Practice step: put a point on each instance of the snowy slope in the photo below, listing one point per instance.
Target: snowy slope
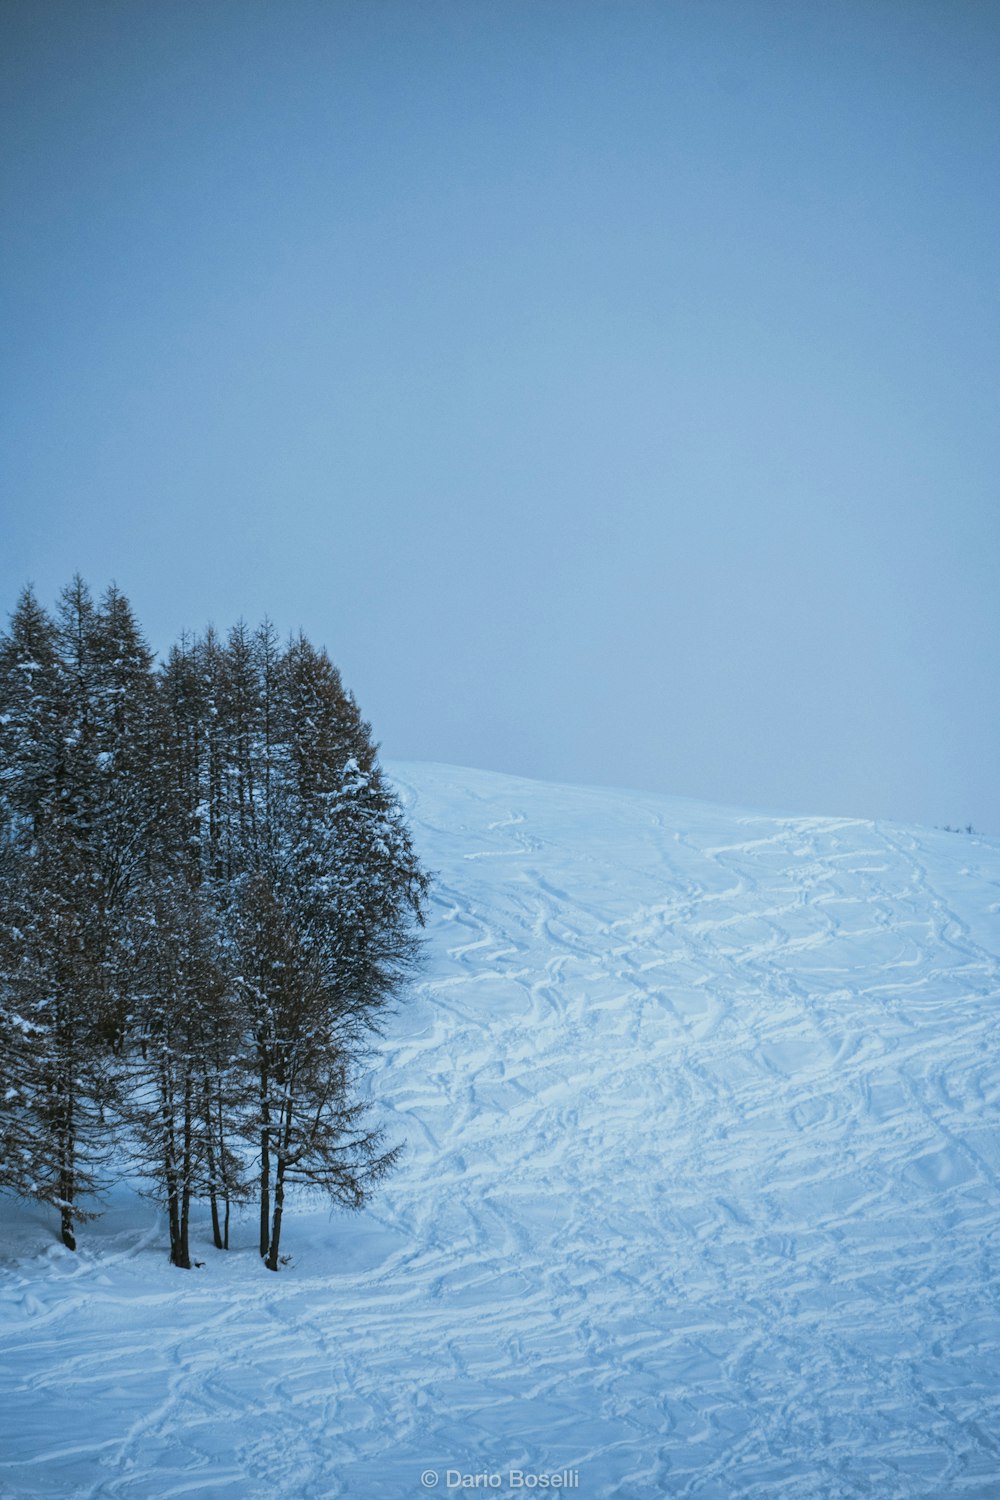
(701, 1196)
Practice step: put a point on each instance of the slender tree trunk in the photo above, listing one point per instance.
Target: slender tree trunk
(65, 1133)
(279, 1184)
(187, 1165)
(265, 1160)
(173, 1210)
(216, 1223)
(66, 1226)
(67, 1183)
(265, 1190)
(213, 1201)
(170, 1173)
(225, 1175)
(279, 1202)
(213, 1196)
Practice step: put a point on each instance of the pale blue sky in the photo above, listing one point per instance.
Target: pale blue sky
(613, 388)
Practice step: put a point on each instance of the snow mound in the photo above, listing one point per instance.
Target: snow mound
(701, 1194)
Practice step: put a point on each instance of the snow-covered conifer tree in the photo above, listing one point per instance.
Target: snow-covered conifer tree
(208, 896)
(55, 897)
(343, 896)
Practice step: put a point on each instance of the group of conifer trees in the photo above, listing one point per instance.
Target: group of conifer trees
(208, 896)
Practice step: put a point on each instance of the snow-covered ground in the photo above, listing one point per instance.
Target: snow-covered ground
(701, 1195)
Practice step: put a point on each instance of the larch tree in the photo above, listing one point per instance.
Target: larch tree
(67, 877)
(323, 920)
(208, 899)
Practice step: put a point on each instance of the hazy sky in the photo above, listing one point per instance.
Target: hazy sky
(613, 388)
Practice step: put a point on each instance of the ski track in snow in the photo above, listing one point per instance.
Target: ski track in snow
(700, 1197)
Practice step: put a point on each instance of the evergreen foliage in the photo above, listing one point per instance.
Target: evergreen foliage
(208, 897)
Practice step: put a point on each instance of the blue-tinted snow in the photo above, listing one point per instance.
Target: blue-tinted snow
(701, 1195)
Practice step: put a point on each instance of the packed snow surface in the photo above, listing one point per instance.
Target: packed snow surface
(701, 1194)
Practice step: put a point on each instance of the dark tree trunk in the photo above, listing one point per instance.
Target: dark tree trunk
(178, 1246)
(225, 1176)
(213, 1200)
(213, 1197)
(184, 1257)
(66, 1228)
(173, 1209)
(177, 1211)
(67, 1184)
(265, 1191)
(279, 1184)
(279, 1203)
(265, 1163)
(215, 1151)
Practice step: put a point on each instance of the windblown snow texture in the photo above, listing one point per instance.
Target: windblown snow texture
(701, 1195)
